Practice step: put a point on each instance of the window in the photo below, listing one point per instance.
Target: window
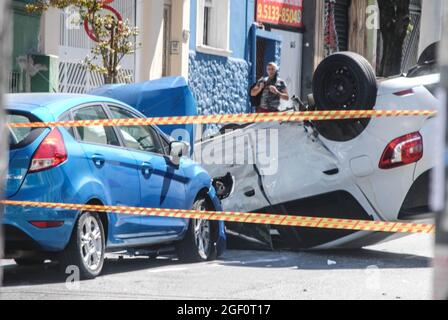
(207, 22)
(19, 137)
(98, 135)
(165, 145)
(67, 117)
(213, 27)
(141, 138)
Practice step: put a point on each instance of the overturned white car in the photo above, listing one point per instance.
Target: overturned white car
(368, 169)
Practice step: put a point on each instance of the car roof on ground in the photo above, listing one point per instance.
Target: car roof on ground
(50, 106)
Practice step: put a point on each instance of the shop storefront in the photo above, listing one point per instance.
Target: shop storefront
(283, 19)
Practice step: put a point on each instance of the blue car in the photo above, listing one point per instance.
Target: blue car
(121, 166)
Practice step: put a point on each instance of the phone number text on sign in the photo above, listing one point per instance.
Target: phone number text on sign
(280, 12)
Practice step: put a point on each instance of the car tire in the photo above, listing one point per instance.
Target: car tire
(200, 241)
(86, 248)
(344, 81)
(26, 262)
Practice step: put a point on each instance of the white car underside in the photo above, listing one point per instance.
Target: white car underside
(289, 168)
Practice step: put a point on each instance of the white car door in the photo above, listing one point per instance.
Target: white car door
(272, 163)
(305, 167)
(234, 153)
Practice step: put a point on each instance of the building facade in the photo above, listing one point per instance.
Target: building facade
(282, 21)
(56, 36)
(164, 38)
(220, 46)
(26, 47)
(431, 22)
(219, 55)
(231, 43)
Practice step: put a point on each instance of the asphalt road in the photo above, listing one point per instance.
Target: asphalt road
(400, 269)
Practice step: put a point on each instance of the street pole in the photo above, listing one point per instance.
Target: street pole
(5, 46)
(441, 248)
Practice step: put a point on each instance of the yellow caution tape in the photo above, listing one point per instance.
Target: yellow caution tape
(252, 218)
(234, 118)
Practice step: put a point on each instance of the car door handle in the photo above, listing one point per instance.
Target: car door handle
(147, 169)
(249, 192)
(98, 160)
(332, 172)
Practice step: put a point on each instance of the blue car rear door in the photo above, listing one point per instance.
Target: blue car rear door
(114, 169)
(162, 184)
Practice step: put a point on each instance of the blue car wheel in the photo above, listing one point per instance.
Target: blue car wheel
(87, 247)
(200, 242)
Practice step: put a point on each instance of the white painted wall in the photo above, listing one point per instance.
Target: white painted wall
(291, 60)
(149, 58)
(431, 27)
(150, 55)
(50, 32)
(180, 31)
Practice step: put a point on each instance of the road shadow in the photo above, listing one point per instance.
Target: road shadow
(329, 260)
(50, 273)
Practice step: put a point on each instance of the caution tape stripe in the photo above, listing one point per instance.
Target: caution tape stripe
(251, 218)
(234, 118)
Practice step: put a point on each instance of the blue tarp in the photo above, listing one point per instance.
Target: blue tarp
(158, 98)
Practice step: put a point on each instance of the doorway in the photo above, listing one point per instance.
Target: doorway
(291, 56)
(266, 49)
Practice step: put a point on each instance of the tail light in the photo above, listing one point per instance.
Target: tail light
(402, 151)
(50, 153)
(403, 93)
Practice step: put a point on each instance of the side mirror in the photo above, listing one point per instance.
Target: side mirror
(178, 149)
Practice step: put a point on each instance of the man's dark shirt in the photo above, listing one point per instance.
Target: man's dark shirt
(271, 101)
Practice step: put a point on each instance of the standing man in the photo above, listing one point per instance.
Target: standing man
(268, 92)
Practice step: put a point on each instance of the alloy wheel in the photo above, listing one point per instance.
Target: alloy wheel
(91, 244)
(202, 236)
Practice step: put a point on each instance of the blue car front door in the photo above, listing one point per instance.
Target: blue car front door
(162, 184)
(114, 169)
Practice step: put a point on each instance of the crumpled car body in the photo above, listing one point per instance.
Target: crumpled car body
(291, 169)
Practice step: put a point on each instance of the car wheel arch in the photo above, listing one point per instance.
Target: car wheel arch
(204, 194)
(104, 218)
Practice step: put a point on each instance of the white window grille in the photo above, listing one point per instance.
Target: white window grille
(14, 82)
(75, 45)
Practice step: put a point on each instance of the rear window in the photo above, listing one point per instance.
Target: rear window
(20, 137)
